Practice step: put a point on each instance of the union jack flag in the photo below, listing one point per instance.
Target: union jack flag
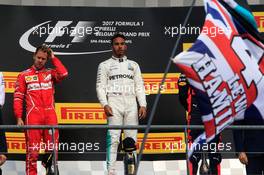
(225, 66)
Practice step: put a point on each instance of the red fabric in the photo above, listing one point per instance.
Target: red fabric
(189, 101)
(36, 87)
(190, 168)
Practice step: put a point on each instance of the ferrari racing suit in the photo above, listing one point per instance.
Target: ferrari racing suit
(36, 87)
(120, 85)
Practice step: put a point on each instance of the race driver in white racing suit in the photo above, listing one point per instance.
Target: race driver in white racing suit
(119, 86)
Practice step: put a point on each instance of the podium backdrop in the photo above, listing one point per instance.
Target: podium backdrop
(80, 37)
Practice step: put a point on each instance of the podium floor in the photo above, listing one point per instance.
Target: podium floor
(228, 167)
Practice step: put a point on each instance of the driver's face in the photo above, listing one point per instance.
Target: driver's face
(40, 59)
(119, 47)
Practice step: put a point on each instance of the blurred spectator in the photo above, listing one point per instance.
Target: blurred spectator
(3, 147)
(250, 143)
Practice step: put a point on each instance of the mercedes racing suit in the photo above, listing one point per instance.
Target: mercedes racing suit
(190, 103)
(37, 88)
(120, 85)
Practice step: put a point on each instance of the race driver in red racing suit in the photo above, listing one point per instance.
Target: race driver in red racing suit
(190, 103)
(36, 86)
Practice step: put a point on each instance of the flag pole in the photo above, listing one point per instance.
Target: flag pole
(153, 110)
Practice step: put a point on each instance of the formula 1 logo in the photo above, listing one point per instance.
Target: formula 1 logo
(64, 37)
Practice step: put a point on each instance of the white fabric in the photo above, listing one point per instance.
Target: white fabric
(123, 78)
(2, 90)
(120, 85)
(231, 3)
(124, 113)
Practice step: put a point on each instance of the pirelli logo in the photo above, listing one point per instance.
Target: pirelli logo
(153, 82)
(16, 142)
(10, 80)
(80, 113)
(163, 143)
(259, 17)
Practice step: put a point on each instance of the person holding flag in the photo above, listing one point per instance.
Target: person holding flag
(225, 70)
(247, 143)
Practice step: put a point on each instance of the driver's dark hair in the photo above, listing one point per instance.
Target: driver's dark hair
(116, 36)
(43, 48)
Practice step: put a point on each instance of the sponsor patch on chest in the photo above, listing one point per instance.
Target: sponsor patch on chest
(31, 78)
(121, 76)
(130, 67)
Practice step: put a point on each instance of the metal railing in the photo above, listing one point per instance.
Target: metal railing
(153, 127)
